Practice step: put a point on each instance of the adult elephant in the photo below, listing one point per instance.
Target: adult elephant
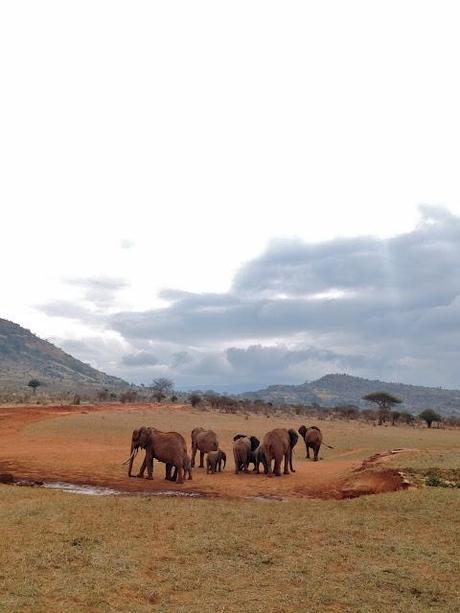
(244, 448)
(167, 447)
(278, 444)
(313, 438)
(203, 441)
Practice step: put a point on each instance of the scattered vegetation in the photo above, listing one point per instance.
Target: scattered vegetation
(385, 402)
(429, 416)
(34, 384)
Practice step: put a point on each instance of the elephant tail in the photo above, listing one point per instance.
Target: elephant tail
(328, 446)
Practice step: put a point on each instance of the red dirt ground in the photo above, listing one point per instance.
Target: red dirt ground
(47, 454)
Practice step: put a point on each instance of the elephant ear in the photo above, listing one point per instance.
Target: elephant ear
(254, 442)
(293, 438)
(302, 431)
(237, 436)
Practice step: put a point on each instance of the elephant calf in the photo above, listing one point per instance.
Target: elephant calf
(215, 461)
(171, 474)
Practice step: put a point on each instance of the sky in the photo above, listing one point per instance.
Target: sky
(234, 194)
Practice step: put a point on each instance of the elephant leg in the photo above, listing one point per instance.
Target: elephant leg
(201, 459)
(194, 450)
(286, 462)
(277, 468)
(308, 451)
(141, 472)
(149, 462)
(180, 474)
(290, 461)
(316, 453)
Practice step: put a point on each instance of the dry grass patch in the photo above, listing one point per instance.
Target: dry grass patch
(395, 552)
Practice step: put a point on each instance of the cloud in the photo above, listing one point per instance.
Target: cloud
(142, 358)
(67, 309)
(100, 291)
(386, 308)
(127, 243)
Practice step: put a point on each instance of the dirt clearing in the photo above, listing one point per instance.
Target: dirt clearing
(86, 445)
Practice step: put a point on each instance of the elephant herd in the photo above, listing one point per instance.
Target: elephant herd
(171, 449)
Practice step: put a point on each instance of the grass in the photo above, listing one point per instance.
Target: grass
(394, 552)
(67, 553)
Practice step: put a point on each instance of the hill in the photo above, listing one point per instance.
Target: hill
(24, 356)
(335, 389)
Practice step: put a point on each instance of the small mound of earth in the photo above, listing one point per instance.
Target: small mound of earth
(373, 482)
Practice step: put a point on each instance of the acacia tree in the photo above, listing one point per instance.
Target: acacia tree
(34, 383)
(161, 388)
(385, 402)
(429, 416)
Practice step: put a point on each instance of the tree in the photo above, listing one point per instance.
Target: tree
(406, 417)
(34, 383)
(429, 416)
(195, 399)
(161, 388)
(385, 403)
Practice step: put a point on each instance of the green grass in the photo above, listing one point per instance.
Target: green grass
(394, 552)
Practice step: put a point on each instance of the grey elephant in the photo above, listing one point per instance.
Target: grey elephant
(203, 441)
(243, 451)
(313, 439)
(278, 444)
(171, 472)
(215, 461)
(167, 447)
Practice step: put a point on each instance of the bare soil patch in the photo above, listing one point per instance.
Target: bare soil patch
(86, 445)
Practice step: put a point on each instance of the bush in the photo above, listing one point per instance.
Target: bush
(195, 399)
(128, 396)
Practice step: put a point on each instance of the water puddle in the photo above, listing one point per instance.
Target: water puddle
(95, 490)
(86, 490)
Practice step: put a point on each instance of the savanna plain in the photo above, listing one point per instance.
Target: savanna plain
(344, 534)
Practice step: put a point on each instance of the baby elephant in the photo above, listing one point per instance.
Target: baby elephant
(214, 461)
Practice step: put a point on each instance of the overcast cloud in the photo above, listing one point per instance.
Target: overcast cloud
(374, 307)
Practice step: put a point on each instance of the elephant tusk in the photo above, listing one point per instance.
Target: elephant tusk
(131, 457)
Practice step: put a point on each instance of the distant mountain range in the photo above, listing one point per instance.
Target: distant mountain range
(24, 356)
(336, 389)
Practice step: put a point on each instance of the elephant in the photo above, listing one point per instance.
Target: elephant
(167, 447)
(215, 461)
(172, 476)
(243, 451)
(203, 441)
(313, 439)
(277, 444)
(259, 457)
